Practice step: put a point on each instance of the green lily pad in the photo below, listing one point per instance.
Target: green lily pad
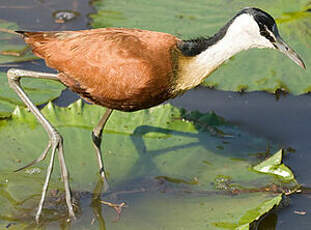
(163, 162)
(12, 47)
(40, 92)
(252, 70)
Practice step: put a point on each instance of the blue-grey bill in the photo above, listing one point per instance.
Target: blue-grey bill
(289, 52)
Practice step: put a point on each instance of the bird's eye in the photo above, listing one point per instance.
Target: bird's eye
(267, 35)
(264, 33)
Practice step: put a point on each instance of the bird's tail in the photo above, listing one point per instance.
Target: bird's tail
(10, 31)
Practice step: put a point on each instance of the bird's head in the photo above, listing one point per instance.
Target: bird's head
(258, 29)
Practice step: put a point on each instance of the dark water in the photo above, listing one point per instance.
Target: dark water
(285, 121)
(38, 14)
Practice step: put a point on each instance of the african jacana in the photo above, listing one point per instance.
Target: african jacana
(132, 69)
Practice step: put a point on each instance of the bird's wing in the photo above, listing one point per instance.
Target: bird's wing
(108, 63)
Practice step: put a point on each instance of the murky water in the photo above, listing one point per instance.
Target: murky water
(284, 121)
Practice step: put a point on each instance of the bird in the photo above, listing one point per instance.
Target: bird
(133, 69)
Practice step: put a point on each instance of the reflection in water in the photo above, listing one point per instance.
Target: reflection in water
(97, 209)
(20, 214)
(54, 211)
(20, 207)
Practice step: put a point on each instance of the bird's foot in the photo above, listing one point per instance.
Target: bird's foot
(117, 207)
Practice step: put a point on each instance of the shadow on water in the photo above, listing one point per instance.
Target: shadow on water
(225, 141)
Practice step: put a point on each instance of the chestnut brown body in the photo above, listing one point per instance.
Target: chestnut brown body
(123, 69)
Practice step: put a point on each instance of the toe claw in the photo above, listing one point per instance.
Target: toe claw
(40, 158)
(26, 166)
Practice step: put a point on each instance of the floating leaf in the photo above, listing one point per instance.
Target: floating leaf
(251, 215)
(252, 70)
(165, 167)
(40, 91)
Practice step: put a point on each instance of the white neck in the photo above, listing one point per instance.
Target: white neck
(193, 70)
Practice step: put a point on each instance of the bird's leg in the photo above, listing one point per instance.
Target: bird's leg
(97, 139)
(55, 139)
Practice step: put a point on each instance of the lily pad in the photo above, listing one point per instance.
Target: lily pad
(40, 91)
(252, 70)
(169, 170)
(12, 47)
